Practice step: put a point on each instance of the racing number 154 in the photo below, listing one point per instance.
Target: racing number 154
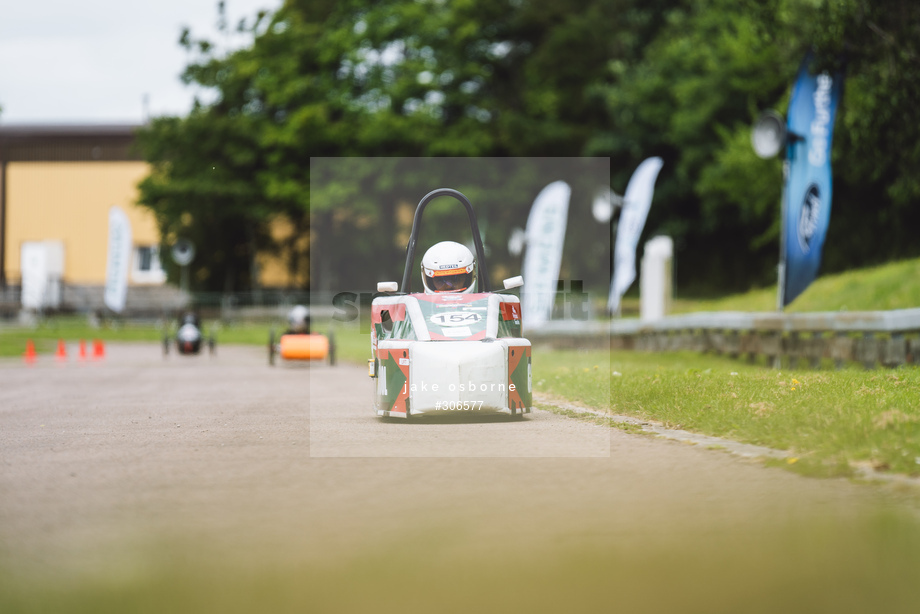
(447, 319)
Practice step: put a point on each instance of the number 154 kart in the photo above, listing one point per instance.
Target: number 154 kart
(449, 348)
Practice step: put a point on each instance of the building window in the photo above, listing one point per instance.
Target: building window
(147, 268)
(145, 256)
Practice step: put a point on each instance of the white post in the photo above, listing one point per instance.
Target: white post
(34, 270)
(656, 279)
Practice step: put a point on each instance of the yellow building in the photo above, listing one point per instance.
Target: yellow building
(57, 184)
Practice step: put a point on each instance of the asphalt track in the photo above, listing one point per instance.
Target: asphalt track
(107, 469)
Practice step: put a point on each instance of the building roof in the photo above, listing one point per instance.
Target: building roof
(68, 142)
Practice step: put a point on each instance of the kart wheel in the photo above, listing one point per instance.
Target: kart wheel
(331, 350)
(271, 348)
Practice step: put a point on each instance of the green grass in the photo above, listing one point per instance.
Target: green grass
(826, 419)
(350, 344)
(894, 285)
(72, 329)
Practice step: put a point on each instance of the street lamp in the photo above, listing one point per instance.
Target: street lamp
(183, 252)
(769, 138)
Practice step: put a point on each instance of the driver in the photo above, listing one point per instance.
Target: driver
(298, 321)
(448, 267)
(190, 318)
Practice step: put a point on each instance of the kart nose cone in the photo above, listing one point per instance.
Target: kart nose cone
(455, 372)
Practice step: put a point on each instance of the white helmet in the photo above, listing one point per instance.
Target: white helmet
(448, 267)
(297, 318)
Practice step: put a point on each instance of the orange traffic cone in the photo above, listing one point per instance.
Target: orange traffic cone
(82, 355)
(61, 351)
(30, 355)
(98, 349)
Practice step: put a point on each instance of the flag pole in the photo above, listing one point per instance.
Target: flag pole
(781, 269)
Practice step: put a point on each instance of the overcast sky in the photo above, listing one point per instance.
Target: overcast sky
(93, 61)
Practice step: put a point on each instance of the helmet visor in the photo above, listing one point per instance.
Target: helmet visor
(457, 282)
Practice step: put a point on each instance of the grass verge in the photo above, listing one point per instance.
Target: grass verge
(46, 335)
(895, 285)
(827, 419)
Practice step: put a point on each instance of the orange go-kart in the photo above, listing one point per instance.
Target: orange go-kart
(301, 347)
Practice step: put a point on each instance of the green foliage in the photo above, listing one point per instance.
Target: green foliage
(201, 189)
(695, 92)
(877, 153)
(682, 79)
(691, 99)
(216, 173)
(372, 79)
(356, 202)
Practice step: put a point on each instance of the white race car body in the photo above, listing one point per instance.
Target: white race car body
(448, 354)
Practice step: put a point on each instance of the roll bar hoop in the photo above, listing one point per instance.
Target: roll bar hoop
(406, 285)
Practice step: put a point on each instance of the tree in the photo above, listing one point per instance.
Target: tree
(691, 98)
(693, 94)
(199, 189)
(372, 86)
(374, 79)
(211, 179)
(876, 156)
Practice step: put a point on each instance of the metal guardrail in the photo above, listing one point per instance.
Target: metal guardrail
(889, 338)
(261, 304)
